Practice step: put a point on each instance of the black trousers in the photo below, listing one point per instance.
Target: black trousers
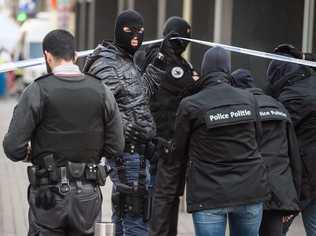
(271, 224)
(74, 214)
(164, 220)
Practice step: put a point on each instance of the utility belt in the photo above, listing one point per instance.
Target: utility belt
(162, 145)
(64, 177)
(132, 148)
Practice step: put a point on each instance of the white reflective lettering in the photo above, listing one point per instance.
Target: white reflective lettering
(240, 113)
(219, 116)
(278, 113)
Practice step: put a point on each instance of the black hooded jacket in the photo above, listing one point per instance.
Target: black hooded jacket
(278, 147)
(295, 86)
(216, 139)
(280, 152)
(174, 85)
(131, 90)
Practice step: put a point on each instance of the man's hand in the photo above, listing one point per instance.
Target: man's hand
(165, 50)
(286, 219)
(138, 133)
(166, 47)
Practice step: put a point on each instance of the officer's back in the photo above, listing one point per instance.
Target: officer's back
(71, 120)
(279, 149)
(226, 168)
(295, 86)
(299, 98)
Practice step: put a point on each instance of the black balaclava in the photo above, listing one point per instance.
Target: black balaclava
(135, 22)
(215, 60)
(242, 78)
(180, 26)
(215, 67)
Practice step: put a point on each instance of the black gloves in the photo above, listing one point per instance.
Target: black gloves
(166, 47)
(165, 50)
(45, 198)
(288, 49)
(138, 133)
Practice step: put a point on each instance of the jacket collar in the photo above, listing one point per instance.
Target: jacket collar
(215, 78)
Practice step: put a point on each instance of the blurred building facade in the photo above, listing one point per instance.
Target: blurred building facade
(260, 25)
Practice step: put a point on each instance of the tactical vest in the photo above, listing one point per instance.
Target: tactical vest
(72, 119)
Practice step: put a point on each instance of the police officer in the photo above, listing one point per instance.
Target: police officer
(216, 141)
(113, 63)
(294, 86)
(175, 83)
(63, 124)
(279, 149)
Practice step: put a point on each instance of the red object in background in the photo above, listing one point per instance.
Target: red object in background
(53, 4)
(11, 83)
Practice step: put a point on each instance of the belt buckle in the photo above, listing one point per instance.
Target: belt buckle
(63, 186)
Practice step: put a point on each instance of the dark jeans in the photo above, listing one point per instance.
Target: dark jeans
(243, 221)
(271, 224)
(74, 215)
(130, 225)
(309, 218)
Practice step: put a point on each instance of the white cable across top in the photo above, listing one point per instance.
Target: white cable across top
(39, 61)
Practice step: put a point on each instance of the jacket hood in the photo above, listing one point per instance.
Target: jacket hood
(215, 60)
(279, 73)
(278, 69)
(242, 78)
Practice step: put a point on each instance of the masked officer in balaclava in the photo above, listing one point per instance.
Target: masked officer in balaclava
(113, 63)
(175, 84)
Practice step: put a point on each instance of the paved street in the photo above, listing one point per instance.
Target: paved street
(13, 185)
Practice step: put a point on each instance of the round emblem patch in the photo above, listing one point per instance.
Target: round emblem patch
(177, 72)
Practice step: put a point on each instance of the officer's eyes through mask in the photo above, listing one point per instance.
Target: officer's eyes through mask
(129, 31)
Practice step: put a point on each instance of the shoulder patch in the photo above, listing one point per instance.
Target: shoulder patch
(177, 72)
(44, 76)
(229, 115)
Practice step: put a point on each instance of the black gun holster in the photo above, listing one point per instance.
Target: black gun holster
(136, 204)
(134, 200)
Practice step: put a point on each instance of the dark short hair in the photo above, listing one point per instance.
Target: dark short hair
(60, 43)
